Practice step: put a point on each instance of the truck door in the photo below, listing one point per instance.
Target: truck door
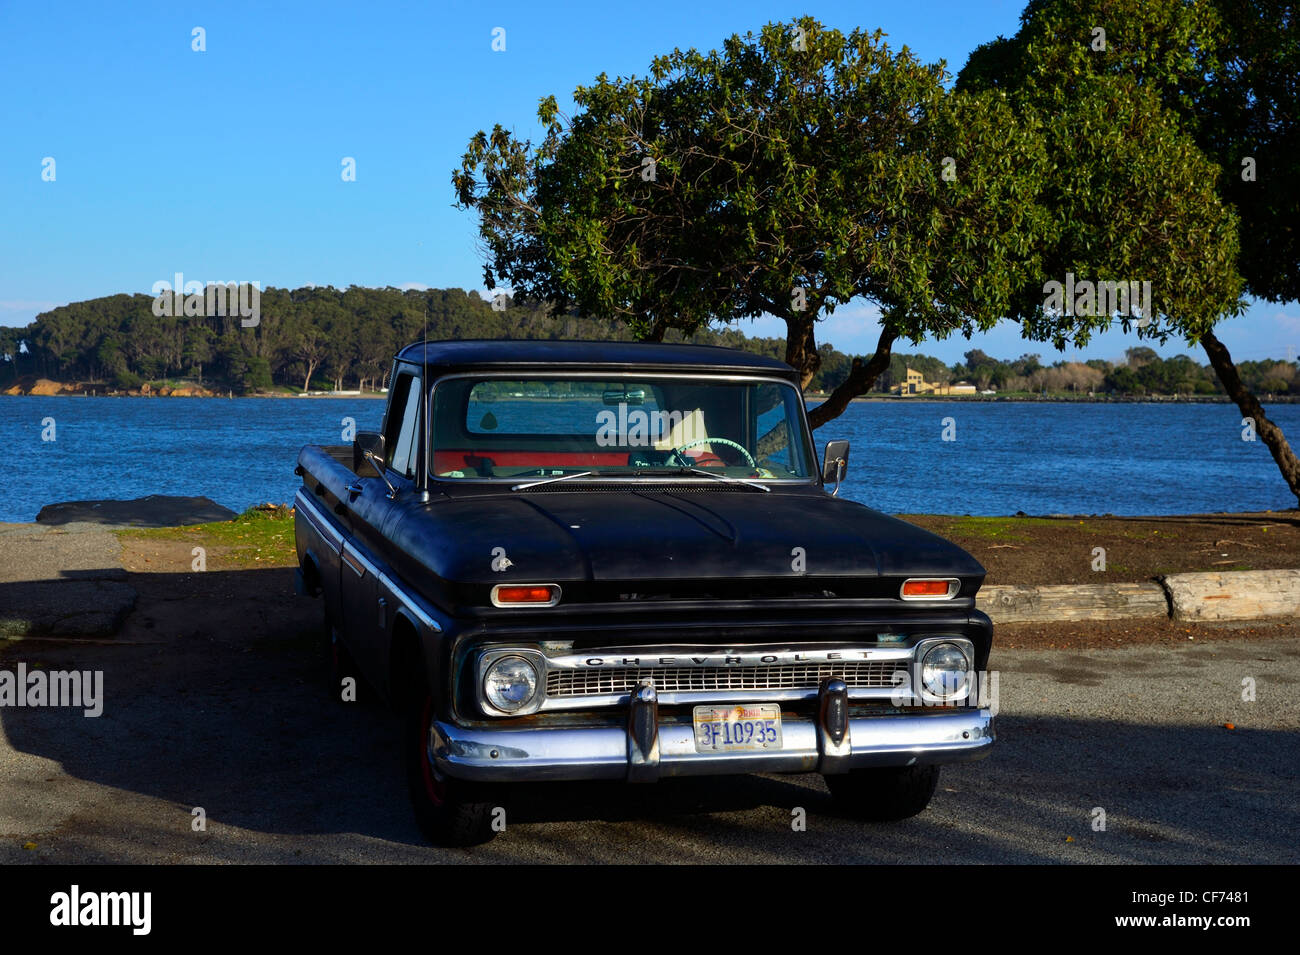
(365, 613)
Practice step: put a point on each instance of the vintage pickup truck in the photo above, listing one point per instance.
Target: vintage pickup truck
(582, 560)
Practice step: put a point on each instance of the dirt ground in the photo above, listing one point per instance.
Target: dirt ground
(1015, 550)
(1062, 550)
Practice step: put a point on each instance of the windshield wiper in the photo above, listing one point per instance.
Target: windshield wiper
(684, 469)
(728, 479)
(552, 480)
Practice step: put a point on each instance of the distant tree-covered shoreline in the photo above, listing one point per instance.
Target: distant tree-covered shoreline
(346, 338)
(303, 338)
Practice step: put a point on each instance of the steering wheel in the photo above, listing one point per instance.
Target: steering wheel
(727, 441)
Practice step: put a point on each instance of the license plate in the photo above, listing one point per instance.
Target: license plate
(722, 729)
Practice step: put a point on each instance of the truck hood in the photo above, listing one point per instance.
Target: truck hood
(647, 539)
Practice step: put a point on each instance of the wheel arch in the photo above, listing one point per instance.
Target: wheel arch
(407, 666)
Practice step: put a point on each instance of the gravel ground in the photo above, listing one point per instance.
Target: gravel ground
(215, 699)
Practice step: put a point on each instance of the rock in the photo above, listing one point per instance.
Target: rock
(44, 387)
(1234, 595)
(156, 510)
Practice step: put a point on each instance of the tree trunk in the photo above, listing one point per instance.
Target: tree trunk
(801, 346)
(860, 379)
(311, 367)
(1250, 407)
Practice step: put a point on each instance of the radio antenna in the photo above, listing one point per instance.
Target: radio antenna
(426, 398)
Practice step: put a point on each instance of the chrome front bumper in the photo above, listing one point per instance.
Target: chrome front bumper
(646, 750)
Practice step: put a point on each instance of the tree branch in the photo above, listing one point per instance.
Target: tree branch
(1250, 407)
(860, 379)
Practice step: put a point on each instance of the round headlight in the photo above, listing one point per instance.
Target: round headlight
(510, 683)
(944, 670)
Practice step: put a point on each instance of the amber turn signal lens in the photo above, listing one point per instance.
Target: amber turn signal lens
(530, 594)
(925, 588)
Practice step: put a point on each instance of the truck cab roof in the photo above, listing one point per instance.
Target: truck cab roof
(447, 356)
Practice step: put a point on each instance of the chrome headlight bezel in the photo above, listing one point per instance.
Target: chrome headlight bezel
(497, 655)
(921, 655)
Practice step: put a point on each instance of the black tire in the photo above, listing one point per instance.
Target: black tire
(342, 667)
(451, 812)
(884, 795)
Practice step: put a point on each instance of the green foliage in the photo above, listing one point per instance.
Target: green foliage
(1142, 372)
(1161, 126)
(348, 336)
(786, 174)
(1227, 70)
(1135, 195)
(126, 380)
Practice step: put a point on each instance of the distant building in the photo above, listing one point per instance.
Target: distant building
(915, 384)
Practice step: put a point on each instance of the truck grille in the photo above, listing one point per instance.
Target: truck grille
(793, 676)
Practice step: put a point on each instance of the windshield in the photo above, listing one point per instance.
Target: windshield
(626, 427)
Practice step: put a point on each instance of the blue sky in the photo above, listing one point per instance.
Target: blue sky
(225, 164)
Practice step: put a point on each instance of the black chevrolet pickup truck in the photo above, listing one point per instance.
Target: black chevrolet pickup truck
(582, 560)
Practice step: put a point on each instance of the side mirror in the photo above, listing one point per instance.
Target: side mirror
(835, 463)
(371, 441)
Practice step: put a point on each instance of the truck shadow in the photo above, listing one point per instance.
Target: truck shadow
(215, 698)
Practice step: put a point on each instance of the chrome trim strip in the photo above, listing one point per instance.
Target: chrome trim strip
(355, 558)
(312, 513)
(406, 600)
(624, 659)
(492, 754)
(350, 552)
(681, 656)
(683, 697)
(752, 655)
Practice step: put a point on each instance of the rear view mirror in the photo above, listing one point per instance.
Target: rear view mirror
(371, 441)
(835, 463)
(627, 396)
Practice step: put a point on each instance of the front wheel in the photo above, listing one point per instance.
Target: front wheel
(451, 812)
(887, 794)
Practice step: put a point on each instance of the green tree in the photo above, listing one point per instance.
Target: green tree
(1217, 82)
(786, 175)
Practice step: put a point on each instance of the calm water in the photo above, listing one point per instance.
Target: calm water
(1007, 457)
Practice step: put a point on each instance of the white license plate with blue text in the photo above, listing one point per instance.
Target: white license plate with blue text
(745, 726)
